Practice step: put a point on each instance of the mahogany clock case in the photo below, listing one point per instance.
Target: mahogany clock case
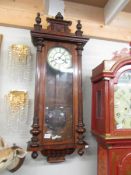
(58, 127)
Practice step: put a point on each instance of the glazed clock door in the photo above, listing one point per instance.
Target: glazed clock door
(58, 95)
(122, 101)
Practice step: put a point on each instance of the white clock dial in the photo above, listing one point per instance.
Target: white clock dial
(122, 101)
(59, 58)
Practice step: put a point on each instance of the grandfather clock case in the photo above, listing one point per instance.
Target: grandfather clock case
(57, 128)
(111, 115)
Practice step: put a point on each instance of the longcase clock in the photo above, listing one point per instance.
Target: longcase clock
(111, 115)
(57, 128)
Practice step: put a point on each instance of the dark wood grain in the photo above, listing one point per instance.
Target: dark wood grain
(69, 91)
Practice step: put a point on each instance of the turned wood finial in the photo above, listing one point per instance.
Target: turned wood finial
(37, 26)
(59, 16)
(38, 19)
(79, 27)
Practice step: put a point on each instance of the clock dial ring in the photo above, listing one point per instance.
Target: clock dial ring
(59, 58)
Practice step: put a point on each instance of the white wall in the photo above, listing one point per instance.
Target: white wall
(94, 52)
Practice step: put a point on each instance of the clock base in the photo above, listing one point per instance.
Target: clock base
(56, 156)
(114, 160)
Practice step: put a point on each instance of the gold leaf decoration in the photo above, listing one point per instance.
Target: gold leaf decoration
(19, 53)
(17, 100)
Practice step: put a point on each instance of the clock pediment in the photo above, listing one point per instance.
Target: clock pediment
(58, 24)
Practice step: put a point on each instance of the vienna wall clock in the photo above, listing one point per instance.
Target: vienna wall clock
(58, 127)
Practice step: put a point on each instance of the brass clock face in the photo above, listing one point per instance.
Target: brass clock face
(122, 101)
(59, 58)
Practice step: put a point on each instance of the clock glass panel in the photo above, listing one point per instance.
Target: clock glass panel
(122, 101)
(58, 95)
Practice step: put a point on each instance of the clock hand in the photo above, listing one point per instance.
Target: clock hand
(60, 58)
(62, 54)
(65, 60)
